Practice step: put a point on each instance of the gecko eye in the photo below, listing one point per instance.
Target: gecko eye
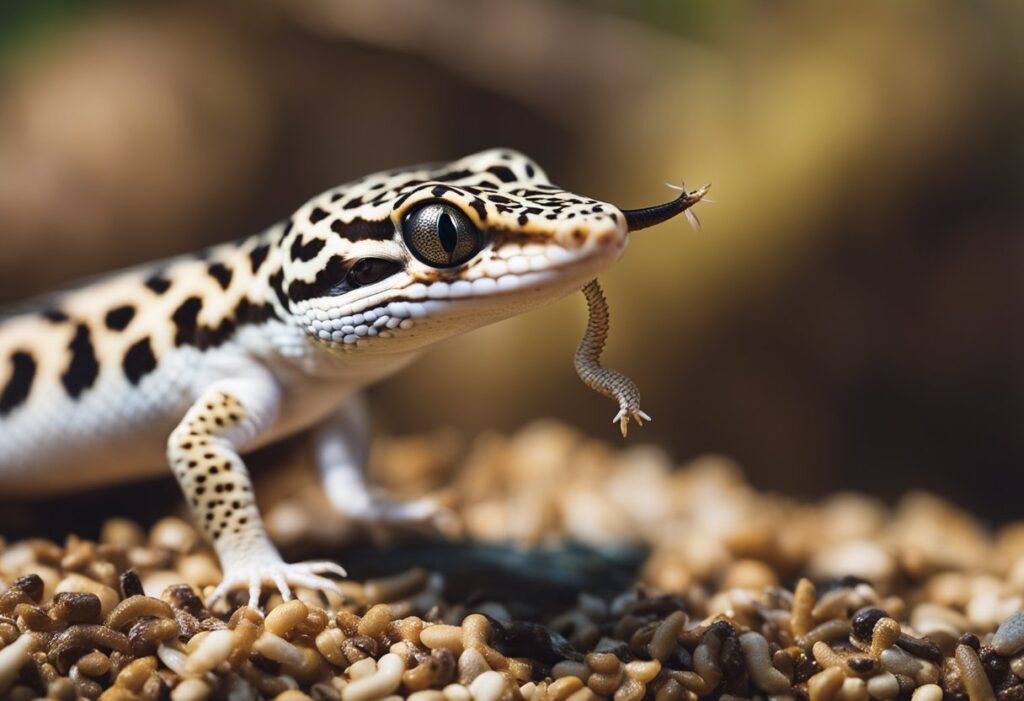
(441, 235)
(367, 271)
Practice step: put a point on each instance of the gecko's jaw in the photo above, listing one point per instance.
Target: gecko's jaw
(510, 280)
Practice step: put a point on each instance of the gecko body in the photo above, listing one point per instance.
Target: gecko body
(196, 360)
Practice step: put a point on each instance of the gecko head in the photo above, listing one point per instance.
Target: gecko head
(403, 258)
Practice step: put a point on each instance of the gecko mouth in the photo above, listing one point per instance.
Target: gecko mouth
(418, 301)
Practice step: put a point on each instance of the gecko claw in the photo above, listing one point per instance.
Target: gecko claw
(282, 575)
(321, 566)
(282, 586)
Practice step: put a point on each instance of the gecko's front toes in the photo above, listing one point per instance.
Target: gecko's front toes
(321, 567)
(281, 575)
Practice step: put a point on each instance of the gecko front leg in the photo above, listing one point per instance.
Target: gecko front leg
(204, 454)
(342, 450)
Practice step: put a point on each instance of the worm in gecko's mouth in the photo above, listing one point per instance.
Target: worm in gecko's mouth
(419, 302)
(645, 217)
(611, 383)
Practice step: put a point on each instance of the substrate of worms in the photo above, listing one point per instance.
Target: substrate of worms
(743, 595)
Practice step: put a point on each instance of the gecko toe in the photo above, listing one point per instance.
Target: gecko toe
(282, 576)
(282, 586)
(218, 593)
(322, 567)
(315, 581)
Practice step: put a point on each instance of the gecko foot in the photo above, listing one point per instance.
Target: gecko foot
(623, 417)
(280, 574)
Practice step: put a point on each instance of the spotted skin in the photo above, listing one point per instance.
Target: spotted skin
(202, 453)
(245, 343)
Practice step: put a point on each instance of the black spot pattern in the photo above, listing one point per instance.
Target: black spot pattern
(285, 231)
(221, 273)
(158, 283)
(189, 332)
(257, 256)
(83, 368)
(247, 312)
(19, 385)
(481, 210)
(504, 173)
(306, 251)
(317, 215)
(330, 275)
(139, 361)
(118, 318)
(364, 229)
(277, 285)
(55, 315)
(186, 320)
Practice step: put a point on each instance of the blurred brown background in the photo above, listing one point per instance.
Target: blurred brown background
(849, 317)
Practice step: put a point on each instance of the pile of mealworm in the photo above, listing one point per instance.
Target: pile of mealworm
(743, 595)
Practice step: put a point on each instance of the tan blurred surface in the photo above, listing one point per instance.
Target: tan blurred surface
(849, 316)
